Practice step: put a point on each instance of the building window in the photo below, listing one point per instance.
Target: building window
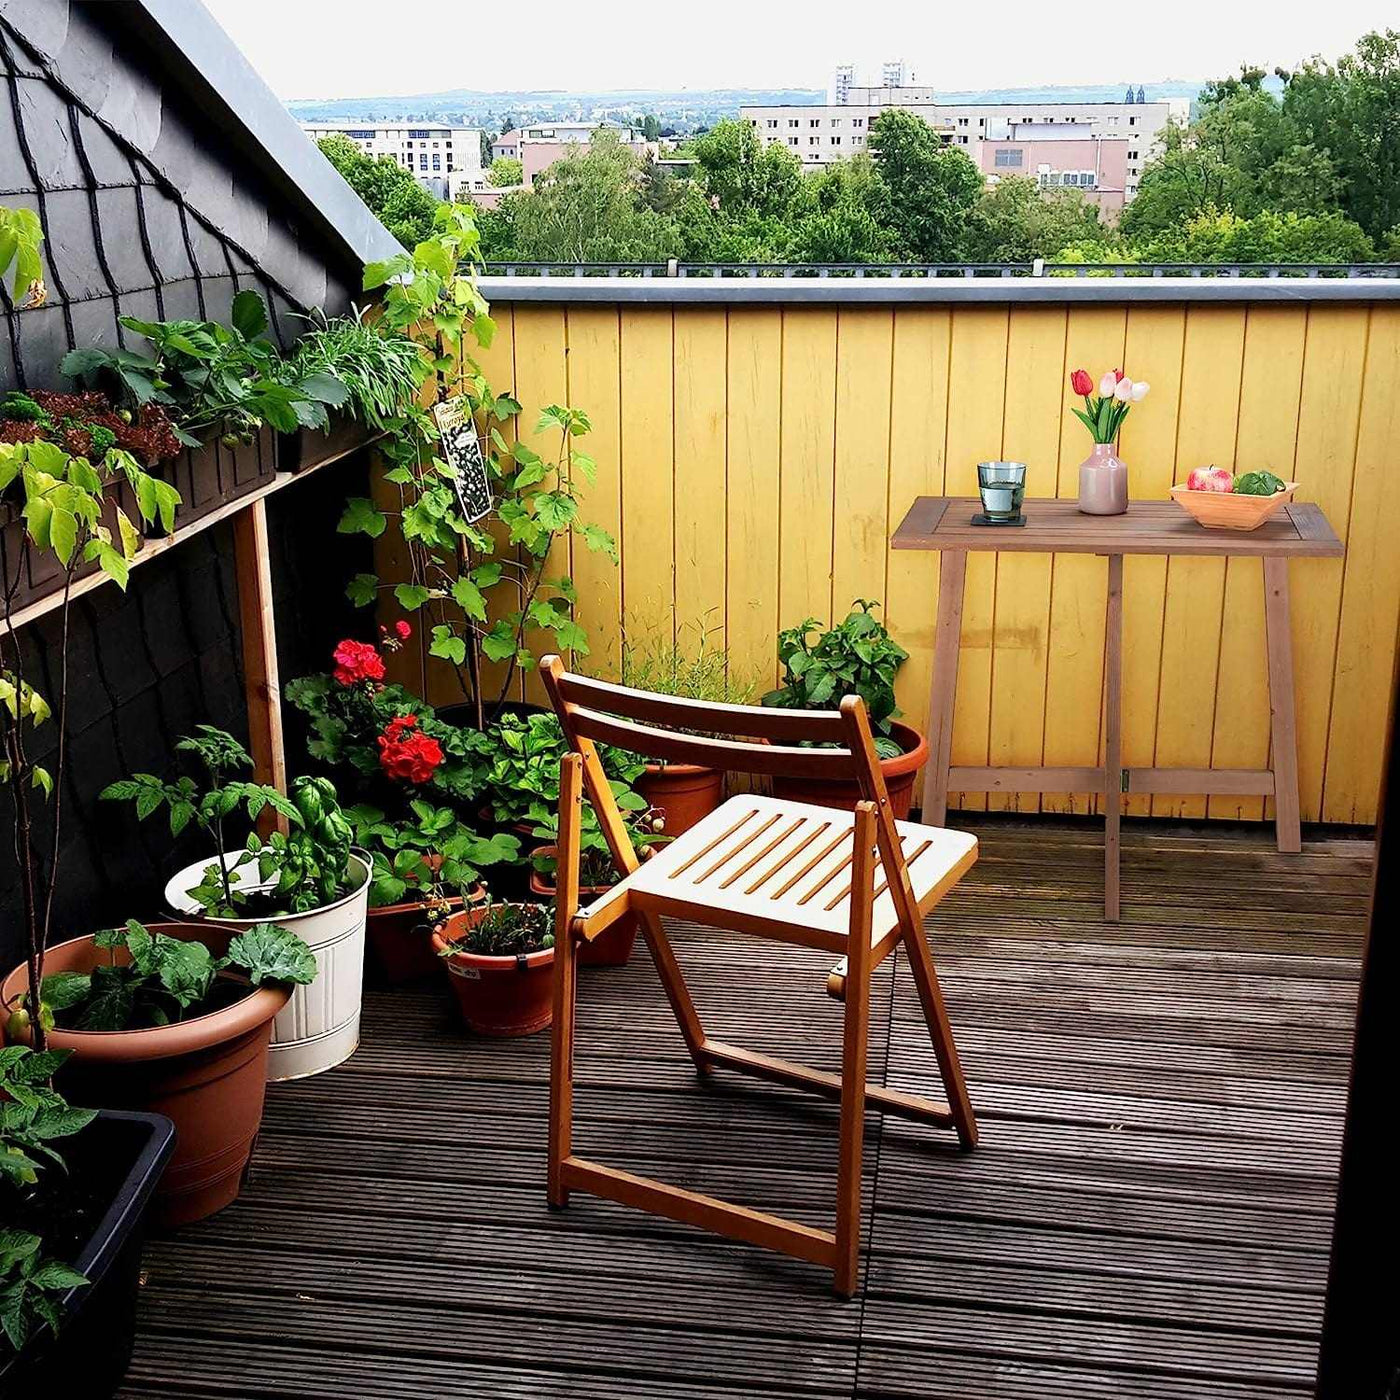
(1132, 121)
(835, 140)
(1132, 155)
(423, 161)
(1009, 159)
(815, 121)
(773, 122)
(962, 121)
(792, 140)
(814, 140)
(793, 121)
(437, 161)
(835, 122)
(857, 121)
(421, 135)
(857, 140)
(360, 135)
(962, 140)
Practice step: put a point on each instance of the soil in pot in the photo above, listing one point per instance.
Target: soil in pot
(92, 1217)
(206, 1074)
(497, 995)
(685, 792)
(899, 776)
(612, 947)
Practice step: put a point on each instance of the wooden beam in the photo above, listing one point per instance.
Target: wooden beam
(253, 567)
(1113, 738)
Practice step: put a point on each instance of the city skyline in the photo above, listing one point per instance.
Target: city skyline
(321, 49)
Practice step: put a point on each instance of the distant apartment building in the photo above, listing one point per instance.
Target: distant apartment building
(445, 159)
(1059, 157)
(819, 135)
(539, 144)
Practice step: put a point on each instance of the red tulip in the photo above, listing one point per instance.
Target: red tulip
(1080, 382)
(1118, 375)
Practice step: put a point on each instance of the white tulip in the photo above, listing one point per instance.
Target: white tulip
(1124, 392)
(1107, 385)
(1140, 390)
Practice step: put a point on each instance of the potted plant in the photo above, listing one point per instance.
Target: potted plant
(1103, 476)
(65, 514)
(174, 1020)
(479, 576)
(307, 879)
(385, 744)
(597, 872)
(383, 372)
(684, 793)
(228, 391)
(820, 667)
(423, 868)
(74, 1189)
(500, 965)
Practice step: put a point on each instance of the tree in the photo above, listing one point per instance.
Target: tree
(505, 172)
(1016, 221)
(925, 189)
(744, 176)
(651, 129)
(588, 208)
(400, 203)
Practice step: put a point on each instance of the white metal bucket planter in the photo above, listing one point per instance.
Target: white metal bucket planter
(320, 1026)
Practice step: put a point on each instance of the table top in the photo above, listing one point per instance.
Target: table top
(1150, 527)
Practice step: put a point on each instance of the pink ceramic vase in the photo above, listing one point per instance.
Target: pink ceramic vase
(1103, 482)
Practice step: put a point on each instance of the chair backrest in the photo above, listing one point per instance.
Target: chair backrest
(677, 730)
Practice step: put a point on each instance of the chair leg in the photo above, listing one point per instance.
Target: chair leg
(941, 1034)
(561, 1061)
(855, 1045)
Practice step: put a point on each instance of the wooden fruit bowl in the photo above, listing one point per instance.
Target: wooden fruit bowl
(1223, 510)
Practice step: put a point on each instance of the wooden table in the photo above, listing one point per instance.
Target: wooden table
(944, 523)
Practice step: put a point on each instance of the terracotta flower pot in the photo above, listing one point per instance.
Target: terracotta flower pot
(500, 996)
(685, 792)
(207, 1075)
(613, 946)
(899, 778)
(400, 936)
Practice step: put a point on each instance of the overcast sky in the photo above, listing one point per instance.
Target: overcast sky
(361, 48)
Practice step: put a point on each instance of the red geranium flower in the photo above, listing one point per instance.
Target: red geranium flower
(357, 661)
(403, 629)
(407, 755)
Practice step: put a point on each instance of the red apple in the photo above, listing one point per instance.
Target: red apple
(1210, 479)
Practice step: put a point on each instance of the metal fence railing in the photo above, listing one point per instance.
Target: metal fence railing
(907, 271)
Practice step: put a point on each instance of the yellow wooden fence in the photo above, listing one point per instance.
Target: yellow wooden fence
(753, 461)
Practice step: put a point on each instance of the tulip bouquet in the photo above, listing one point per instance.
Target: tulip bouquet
(1104, 415)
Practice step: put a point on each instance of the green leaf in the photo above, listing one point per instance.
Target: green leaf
(499, 642)
(362, 516)
(186, 969)
(271, 953)
(469, 598)
(411, 596)
(249, 315)
(600, 541)
(448, 645)
(362, 589)
(325, 388)
(60, 990)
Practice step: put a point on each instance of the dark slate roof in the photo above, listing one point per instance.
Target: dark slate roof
(167, 177)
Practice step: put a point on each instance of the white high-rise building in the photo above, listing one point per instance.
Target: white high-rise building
(444, 159)
(846, 80)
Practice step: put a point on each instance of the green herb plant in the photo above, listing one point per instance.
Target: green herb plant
(382, 371)
(70, 513)
(485, 586)
(164, 980)
(645, 827)
(524, 772)
(232, 378)
(823, 665)
(506, 930)
(298, 871)
(426, 858)
(33, 1116)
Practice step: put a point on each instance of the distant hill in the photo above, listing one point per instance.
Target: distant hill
(684, 109)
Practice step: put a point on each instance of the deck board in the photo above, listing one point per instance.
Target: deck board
(1147, 1216)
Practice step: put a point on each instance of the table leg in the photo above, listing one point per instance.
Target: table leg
(1283, 720)
(1113, 736)
(952, 571)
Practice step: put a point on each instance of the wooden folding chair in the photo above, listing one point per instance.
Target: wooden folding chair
(853, 883)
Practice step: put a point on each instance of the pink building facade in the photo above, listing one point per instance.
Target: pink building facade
(1097, 166)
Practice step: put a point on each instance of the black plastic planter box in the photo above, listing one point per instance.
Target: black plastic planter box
(307, 448)
(123, 1156)
(213, 475)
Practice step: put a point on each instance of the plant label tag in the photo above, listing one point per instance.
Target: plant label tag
(470, 973)
(461, 450)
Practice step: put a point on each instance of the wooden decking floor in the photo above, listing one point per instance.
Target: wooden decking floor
(1146, 1218)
